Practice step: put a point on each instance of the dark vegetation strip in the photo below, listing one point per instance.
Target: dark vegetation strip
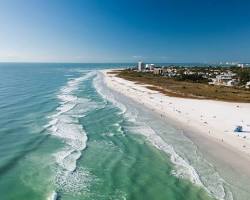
(185, 89)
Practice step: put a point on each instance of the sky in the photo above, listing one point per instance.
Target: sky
(124, 30)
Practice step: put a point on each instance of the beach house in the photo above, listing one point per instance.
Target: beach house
(226, 79)
(157, 71)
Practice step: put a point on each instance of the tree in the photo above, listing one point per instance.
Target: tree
(244, 76)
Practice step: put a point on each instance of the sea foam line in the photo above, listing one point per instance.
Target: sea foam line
(100, 88)
(64, 124)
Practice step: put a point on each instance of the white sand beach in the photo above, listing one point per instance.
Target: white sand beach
(213, 119)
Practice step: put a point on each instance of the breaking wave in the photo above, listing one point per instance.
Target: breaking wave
(64, 124)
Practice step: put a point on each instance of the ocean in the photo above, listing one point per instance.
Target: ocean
(65, 135)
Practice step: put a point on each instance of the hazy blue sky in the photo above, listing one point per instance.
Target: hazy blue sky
(125, 31)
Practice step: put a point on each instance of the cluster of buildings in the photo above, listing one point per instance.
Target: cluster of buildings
(215, 76)
(226, 79)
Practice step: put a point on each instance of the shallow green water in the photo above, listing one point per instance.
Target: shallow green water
(127, 167)
(48, 116)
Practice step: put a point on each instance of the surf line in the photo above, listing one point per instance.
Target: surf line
(64, 124)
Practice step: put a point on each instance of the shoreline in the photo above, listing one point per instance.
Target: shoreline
(215, 119)
(223, 149)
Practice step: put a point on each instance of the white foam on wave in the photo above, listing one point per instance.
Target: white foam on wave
(52, 196)
(100, 87)
(64, 124)
(67, 159)
(182, 168)
(75, 183)
(215, 184)
(209, 179)
(98, 84)
(66, 98)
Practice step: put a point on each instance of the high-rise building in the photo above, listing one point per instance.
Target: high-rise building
(140, 66)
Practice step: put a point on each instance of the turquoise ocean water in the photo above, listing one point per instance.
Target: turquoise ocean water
(65, 135)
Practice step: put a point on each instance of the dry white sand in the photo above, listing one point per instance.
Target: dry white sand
(214, 119)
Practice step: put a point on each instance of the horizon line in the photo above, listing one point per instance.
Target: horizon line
(55, 62)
